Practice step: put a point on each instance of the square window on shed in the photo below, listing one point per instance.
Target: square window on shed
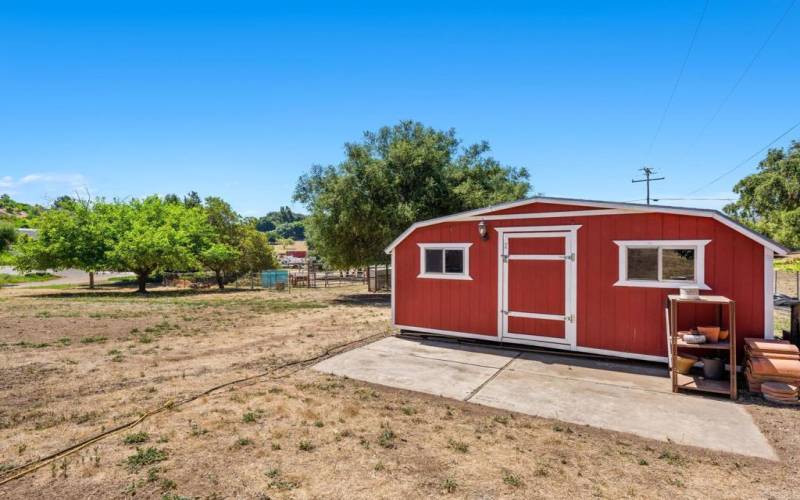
(444, 260)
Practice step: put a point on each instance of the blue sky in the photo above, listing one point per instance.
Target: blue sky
(238, 99)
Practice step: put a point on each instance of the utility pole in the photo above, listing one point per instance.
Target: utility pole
(648, 178)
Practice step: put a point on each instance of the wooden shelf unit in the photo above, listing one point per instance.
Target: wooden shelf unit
(695, 382)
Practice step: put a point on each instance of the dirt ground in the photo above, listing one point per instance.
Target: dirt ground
(75, 363)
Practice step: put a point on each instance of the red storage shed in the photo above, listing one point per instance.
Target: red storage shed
(579, 275)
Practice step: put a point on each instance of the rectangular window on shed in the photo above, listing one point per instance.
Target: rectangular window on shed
(444, 260)
(662, 264)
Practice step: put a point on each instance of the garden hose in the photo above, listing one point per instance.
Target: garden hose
(26, 469)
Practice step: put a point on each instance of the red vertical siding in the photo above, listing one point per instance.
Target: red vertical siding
(625, 319)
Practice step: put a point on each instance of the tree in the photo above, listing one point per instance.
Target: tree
(769, 200)
(192, 200)
(265, 224)
(227, 224)
(171, 198)
(71, 235)
(393, 178)
(8, 236)
(284, 222)
(256, 252)
(152, 235)
(294, 230)
(221, 259)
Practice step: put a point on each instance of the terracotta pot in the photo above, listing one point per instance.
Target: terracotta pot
(711, 333)
(713, 368)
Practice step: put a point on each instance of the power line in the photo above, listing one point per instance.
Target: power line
(742, 75)
(784, 134)
(677, 81)
(648, 178)
(694, 199)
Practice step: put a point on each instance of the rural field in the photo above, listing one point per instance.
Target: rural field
(76, 363)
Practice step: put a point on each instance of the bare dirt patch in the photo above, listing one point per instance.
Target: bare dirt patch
(76, 363)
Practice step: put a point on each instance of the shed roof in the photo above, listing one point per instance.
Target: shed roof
(612, 205)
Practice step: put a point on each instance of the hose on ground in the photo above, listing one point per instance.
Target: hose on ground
(26, 469)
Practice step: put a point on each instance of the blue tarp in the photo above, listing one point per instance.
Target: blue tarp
(270, 278)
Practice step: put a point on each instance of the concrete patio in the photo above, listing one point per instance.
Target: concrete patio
(625, 397)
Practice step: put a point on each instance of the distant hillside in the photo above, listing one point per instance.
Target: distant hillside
(283, 224)
(18, 213)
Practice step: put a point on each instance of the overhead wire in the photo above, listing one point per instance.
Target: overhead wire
(743, 162)
(677, 81)
(742, 76)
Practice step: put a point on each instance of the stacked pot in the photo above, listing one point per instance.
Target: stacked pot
(773, 369)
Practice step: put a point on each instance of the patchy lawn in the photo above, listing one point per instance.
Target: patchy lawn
(75, 363)
(13, 279)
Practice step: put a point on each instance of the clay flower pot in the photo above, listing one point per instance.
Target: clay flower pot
(711, 333)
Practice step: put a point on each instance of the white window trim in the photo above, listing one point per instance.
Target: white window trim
(699, 263)
(444, 246)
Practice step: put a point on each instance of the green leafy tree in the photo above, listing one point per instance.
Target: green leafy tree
(294, 230)
(192, 200)
(70, 236)
(265, 224)
(393, 178)
(769, 200)
(227, 224)
(8, 236)
(256, 253)
(171, 198)
(221, 259)
(284, 222)
(151, 235)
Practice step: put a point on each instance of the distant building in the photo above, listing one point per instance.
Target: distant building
(298, 250)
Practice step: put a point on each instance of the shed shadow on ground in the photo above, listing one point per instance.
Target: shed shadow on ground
(546, 356)
(364, 299)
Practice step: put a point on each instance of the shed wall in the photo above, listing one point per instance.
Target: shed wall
(625, 319)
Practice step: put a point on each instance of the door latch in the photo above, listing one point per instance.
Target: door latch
(570, 318)
(570, 256)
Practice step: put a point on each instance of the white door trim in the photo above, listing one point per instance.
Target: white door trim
(569, 233)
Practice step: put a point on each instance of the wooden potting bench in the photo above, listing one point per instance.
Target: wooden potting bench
(697, 382)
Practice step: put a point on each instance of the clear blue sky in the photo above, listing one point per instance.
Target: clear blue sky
(238, 99)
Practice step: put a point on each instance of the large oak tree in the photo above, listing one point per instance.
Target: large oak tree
(769, 200)
(393, 178)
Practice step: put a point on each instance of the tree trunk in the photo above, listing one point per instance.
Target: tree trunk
(91, 280)
(141, 279)
(220, 284)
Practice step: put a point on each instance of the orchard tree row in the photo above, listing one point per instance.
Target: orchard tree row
(145, 236)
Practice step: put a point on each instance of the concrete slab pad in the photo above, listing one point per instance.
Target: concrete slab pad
(430, 375)
(625, 397)
(689, 420)
(600, 371)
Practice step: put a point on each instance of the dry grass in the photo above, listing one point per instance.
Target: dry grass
(305, 434)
